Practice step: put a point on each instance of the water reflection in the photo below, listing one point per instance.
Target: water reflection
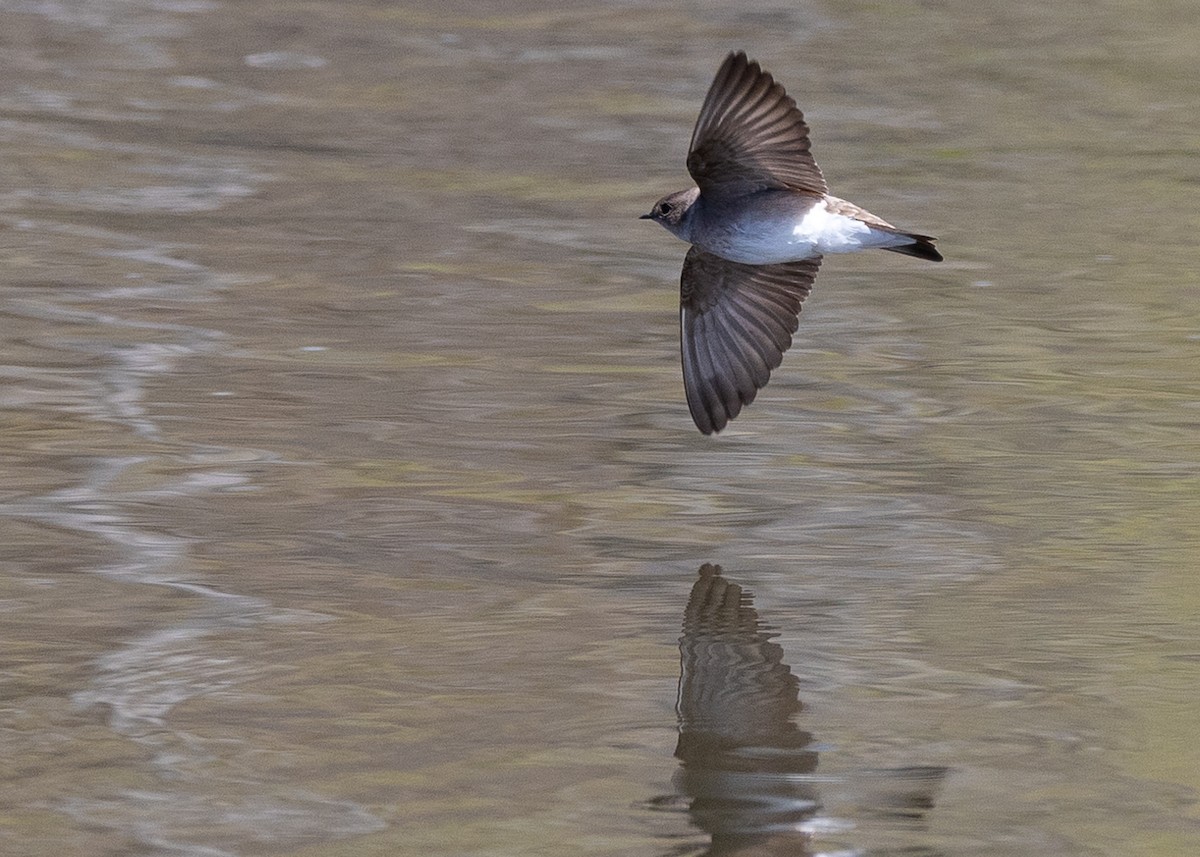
(747, 769)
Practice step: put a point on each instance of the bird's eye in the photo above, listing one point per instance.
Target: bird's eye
(665, 208)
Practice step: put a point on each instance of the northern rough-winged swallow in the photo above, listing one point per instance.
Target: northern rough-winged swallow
(758, 224)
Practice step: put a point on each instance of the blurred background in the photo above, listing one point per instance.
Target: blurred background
(351, 505)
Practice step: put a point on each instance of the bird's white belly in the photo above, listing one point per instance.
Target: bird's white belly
(758, 240)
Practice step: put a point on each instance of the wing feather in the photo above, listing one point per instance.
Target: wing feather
(736, 322)
(751, 136)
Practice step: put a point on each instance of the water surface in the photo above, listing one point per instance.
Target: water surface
(351, 502)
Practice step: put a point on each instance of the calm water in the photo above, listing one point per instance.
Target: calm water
(350, 502)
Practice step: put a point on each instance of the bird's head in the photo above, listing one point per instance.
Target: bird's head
(670, 211)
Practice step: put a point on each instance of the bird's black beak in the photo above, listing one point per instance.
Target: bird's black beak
(646, 217)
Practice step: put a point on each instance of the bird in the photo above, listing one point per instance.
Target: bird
(759, 220)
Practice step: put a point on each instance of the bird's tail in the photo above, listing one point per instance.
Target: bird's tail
(921, 247)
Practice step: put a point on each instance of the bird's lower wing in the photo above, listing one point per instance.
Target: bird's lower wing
(736, 321)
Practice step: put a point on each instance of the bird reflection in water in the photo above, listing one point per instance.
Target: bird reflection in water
(746, 768)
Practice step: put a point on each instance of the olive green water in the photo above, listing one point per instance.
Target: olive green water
(350, 504)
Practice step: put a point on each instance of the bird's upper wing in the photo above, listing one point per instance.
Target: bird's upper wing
(750, 136)
(735, 323)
